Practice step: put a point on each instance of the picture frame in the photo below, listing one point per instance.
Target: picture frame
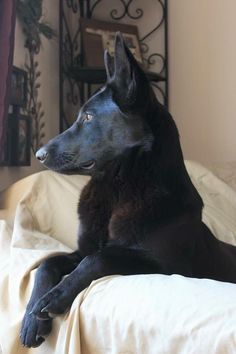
(18, 91)
(19, 140)
(99, 35)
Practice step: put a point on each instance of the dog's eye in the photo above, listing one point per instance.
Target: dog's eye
(87, 117)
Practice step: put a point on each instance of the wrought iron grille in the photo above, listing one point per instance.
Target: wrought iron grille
(73, 92)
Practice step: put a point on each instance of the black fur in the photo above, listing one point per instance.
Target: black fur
(140, 212)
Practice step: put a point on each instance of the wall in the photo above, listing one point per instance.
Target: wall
(203, 77)
(49, 93)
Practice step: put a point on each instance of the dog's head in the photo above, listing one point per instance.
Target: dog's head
(111, 122)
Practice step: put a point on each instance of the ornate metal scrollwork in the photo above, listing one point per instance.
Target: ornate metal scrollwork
(126, 12)
(159, 23)
(73, 93)
(73, 5)
(150, 59)
(93, 7)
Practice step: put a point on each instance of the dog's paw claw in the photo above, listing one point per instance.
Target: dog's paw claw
(47, 313)
(51, 315)
(39, 338)
(43, 316)
(52, 304)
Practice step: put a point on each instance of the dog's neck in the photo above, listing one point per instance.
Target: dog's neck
(161, 169)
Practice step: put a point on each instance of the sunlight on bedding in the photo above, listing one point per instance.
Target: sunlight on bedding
(151, 314)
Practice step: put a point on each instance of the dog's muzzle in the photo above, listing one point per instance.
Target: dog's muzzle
(42, 155)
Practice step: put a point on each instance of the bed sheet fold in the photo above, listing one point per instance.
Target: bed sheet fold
(132, 314)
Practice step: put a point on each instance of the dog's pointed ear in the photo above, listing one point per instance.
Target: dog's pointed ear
(127, 80)
(109, 65)
(123, 65)
(123, 80)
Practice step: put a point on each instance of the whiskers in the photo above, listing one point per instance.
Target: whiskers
(66, 160)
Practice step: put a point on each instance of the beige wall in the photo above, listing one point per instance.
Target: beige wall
(203, 77)
(49, 93)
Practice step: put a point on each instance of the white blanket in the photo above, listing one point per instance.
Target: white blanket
(145, 314)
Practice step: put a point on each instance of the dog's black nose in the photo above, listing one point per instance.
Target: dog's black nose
(42, 154)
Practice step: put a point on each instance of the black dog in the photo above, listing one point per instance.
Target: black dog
(139, 213)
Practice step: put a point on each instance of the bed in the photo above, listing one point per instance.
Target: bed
(146, 314)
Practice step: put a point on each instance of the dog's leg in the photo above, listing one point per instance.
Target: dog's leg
(48, 275)
(110, 260)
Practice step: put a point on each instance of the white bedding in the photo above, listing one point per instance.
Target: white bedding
(146, 314)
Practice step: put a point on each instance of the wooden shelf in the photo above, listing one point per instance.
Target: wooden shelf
(98, 75)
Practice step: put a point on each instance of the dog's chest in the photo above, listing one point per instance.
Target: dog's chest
(112, 215)
(125, 223)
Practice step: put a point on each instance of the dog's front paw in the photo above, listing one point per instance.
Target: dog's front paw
(55, 302)
(33, 331)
